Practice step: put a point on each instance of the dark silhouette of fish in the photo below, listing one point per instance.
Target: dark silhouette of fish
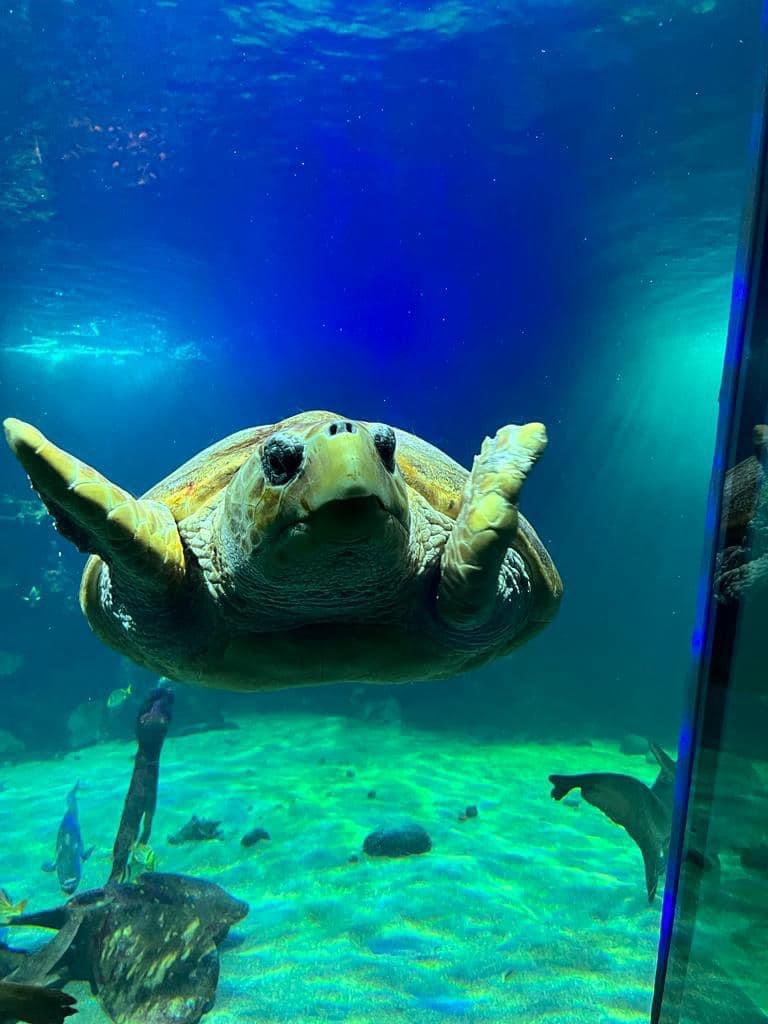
(664, 786)
(195, 830)
(70, 853)
(633, 805)
(34, 1004)
(149, 950)
(645, 812)
(29, 983)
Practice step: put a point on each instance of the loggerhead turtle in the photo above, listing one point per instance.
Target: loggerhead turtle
(314, 550)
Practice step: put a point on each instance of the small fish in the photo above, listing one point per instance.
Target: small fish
(118, 697)
(70, 853)
(142, 859)
(196, 829)
(7, 907)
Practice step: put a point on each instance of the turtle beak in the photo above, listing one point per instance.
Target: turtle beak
(342, 466)
(344, 493)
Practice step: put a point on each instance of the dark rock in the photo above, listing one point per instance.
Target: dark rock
(371, 794)
(402, 841)
(353, 858)
(254, 836)
(470, 812)
(350, 774)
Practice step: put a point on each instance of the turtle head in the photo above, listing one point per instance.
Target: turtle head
(322, 494)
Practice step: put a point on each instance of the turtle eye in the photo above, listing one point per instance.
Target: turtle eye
(281, 458)
(385, 442)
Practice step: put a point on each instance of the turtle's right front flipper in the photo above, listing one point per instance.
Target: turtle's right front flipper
(138, 537)
(487, 525)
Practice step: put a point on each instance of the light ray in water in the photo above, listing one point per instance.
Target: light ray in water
(53, 351)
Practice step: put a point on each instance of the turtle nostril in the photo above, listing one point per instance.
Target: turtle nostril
(385, 442)
(281, 458)
(341, 427)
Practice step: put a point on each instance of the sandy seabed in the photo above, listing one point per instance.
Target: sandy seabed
(532, 911)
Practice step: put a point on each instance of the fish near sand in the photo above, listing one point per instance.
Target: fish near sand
(70, 852)
(7, 907)
(149, 949)
(645, 812)
(633, 805)
(118, 697)
(196, 829)
(30, 983)
(664, 786)
(34, 1004)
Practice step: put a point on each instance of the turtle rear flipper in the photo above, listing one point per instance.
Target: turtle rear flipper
(136, 536)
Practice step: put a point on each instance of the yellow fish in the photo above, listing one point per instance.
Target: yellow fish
(142, 859)
(8, 909)
(119, 697)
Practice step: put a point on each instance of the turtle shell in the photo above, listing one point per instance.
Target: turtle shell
(195, 484)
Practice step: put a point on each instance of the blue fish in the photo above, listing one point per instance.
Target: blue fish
(70, 853)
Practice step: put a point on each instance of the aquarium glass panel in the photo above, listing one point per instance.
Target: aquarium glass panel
(712, 963)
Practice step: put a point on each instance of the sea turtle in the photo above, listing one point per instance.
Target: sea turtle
(313, 550)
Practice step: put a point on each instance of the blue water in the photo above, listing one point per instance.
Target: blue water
(442, 216)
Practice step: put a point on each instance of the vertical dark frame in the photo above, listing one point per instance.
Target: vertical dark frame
(743, 401)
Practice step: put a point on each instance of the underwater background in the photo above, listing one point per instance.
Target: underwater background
(445, 216)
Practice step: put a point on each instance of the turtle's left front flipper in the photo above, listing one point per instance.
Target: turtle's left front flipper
(487, 524)
(136, 536)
